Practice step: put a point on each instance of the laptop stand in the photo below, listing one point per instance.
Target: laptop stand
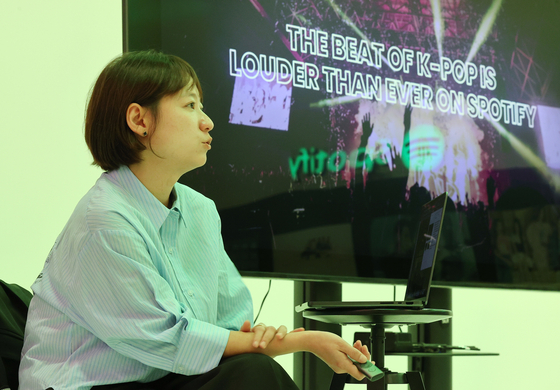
(377, 345)
(378, 320)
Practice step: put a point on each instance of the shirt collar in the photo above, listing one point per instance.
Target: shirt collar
(146, 201)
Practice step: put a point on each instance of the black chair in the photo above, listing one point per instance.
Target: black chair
(14, 303)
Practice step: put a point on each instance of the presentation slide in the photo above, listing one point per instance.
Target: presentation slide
(335, 120)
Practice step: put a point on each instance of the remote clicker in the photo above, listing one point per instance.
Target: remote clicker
(370, 370)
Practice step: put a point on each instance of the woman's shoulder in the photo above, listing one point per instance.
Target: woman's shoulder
(107, 206)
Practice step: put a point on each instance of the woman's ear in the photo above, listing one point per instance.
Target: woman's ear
(138, 119)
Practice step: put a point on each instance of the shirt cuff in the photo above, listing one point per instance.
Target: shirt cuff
(201, 347)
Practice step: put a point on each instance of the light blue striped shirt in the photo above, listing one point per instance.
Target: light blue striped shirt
(132, 291)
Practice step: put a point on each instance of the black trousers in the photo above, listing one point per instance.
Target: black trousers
(246, 372)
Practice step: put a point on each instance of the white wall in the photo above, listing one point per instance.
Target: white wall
(52, 51)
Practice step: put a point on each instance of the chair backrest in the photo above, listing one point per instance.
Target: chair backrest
(14, 303)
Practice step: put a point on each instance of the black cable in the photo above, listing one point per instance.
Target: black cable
(262, 303)
(394, 300)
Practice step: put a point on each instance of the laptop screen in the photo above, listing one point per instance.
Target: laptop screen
(422, 268)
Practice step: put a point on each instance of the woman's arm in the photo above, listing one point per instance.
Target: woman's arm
(330, 348)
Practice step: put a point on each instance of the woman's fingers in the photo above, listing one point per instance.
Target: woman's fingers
(298, 330)
(265, 334)
(246, 327)
(281, 332)
(258, 330)
(362, 348)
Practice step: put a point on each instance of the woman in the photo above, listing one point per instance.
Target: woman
(137, 291)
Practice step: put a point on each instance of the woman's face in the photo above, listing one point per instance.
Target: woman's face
(181, 137)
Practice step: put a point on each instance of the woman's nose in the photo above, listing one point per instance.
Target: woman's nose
(206, 123)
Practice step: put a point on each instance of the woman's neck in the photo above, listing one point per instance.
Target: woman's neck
(159, 182)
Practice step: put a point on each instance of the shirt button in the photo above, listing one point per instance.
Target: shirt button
(191, 293)
(170, 251)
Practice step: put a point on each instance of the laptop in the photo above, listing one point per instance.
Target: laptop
(421, 269)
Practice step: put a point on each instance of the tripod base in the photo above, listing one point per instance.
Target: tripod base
(414, 380)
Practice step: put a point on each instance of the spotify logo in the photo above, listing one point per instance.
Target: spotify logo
(423, 148)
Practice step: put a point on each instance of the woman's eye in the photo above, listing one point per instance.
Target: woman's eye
(191, 105)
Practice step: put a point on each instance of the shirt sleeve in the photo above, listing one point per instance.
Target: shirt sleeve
(235, 304)
(117, 293)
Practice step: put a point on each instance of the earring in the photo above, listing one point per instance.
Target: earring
(145, 134)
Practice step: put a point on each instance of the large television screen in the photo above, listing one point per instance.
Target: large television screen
(335, 120)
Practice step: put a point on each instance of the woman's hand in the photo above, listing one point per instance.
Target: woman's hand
(335, 352)
(265, 334)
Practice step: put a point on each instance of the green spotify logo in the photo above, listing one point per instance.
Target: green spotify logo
(423, 148)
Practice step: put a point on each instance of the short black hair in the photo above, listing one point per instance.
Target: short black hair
(142, 77)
